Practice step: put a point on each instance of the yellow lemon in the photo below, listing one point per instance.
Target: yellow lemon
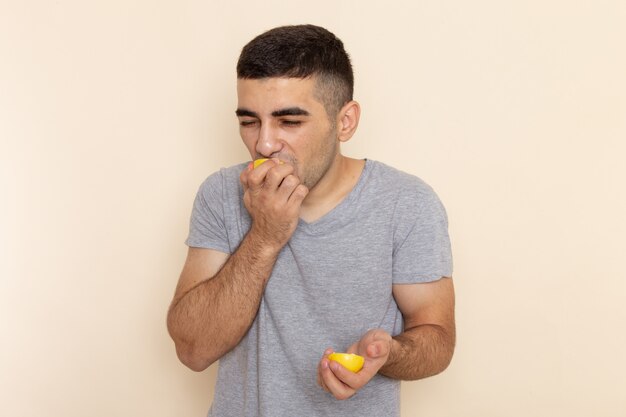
(348, 360)
(258, 162)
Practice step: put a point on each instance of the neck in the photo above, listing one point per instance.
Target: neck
(334, 186)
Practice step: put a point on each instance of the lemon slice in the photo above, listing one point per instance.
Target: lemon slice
(258, 162)
(349, 360)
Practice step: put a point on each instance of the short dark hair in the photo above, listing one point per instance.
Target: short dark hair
(301, 51)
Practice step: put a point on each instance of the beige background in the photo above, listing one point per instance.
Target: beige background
(113, 112)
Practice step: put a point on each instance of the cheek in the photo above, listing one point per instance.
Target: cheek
(321, 144)
(319, 152)
(249, 140)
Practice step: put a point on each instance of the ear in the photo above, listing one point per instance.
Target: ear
(348, 120)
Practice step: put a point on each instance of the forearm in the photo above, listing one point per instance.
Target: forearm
(212, 317)
(419, 352)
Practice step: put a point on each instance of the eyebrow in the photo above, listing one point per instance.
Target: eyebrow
(244, 112)
(289, 111)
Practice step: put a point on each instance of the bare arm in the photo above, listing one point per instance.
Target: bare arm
(218, 296)
(211, 313)
(426, 345)
(423, 349)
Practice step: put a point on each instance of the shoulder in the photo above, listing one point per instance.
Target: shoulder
(223, 182)
(407, 197)
(391, 180)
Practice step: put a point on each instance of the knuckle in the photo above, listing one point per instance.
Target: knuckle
(253, 181)
(291, 181)
(273, 175)
(301, 191)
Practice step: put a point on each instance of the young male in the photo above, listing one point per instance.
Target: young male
(311, 252)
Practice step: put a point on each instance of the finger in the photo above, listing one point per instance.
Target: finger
(257, 178)
(323, 363)
(320, 381)
(261, 173)
(243, 177)
(346, 376)
(288, 186)
(298, 195)
(275, 174)
(380, 346)
(337, 388)
(319, 370)
(375, 349)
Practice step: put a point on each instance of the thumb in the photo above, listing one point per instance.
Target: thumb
(375, 349)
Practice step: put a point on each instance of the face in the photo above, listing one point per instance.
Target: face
(282, 118)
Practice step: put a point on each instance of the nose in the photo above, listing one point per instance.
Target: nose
(268, 143)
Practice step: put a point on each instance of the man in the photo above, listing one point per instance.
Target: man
(311, 252)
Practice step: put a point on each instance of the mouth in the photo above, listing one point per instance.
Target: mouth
(288, 159)
(285, 158)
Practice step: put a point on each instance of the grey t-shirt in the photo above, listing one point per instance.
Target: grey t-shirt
(331, 283)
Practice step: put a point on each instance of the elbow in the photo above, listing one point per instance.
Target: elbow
(189, 353)
(443, 355)
(448, 344)
(192, 358)
(446, 361)
(187, 349)
(447, 355)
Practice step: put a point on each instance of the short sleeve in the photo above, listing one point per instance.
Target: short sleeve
(207, 227)
(422, 250)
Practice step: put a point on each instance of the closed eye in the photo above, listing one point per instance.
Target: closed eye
(291, 122)
(247, 123)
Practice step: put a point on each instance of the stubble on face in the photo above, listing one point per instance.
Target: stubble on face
(319, 166)
(327, 147)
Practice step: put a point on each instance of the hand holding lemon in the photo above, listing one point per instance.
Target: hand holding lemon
(349, 361)
(343, 374)
(272, 195)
